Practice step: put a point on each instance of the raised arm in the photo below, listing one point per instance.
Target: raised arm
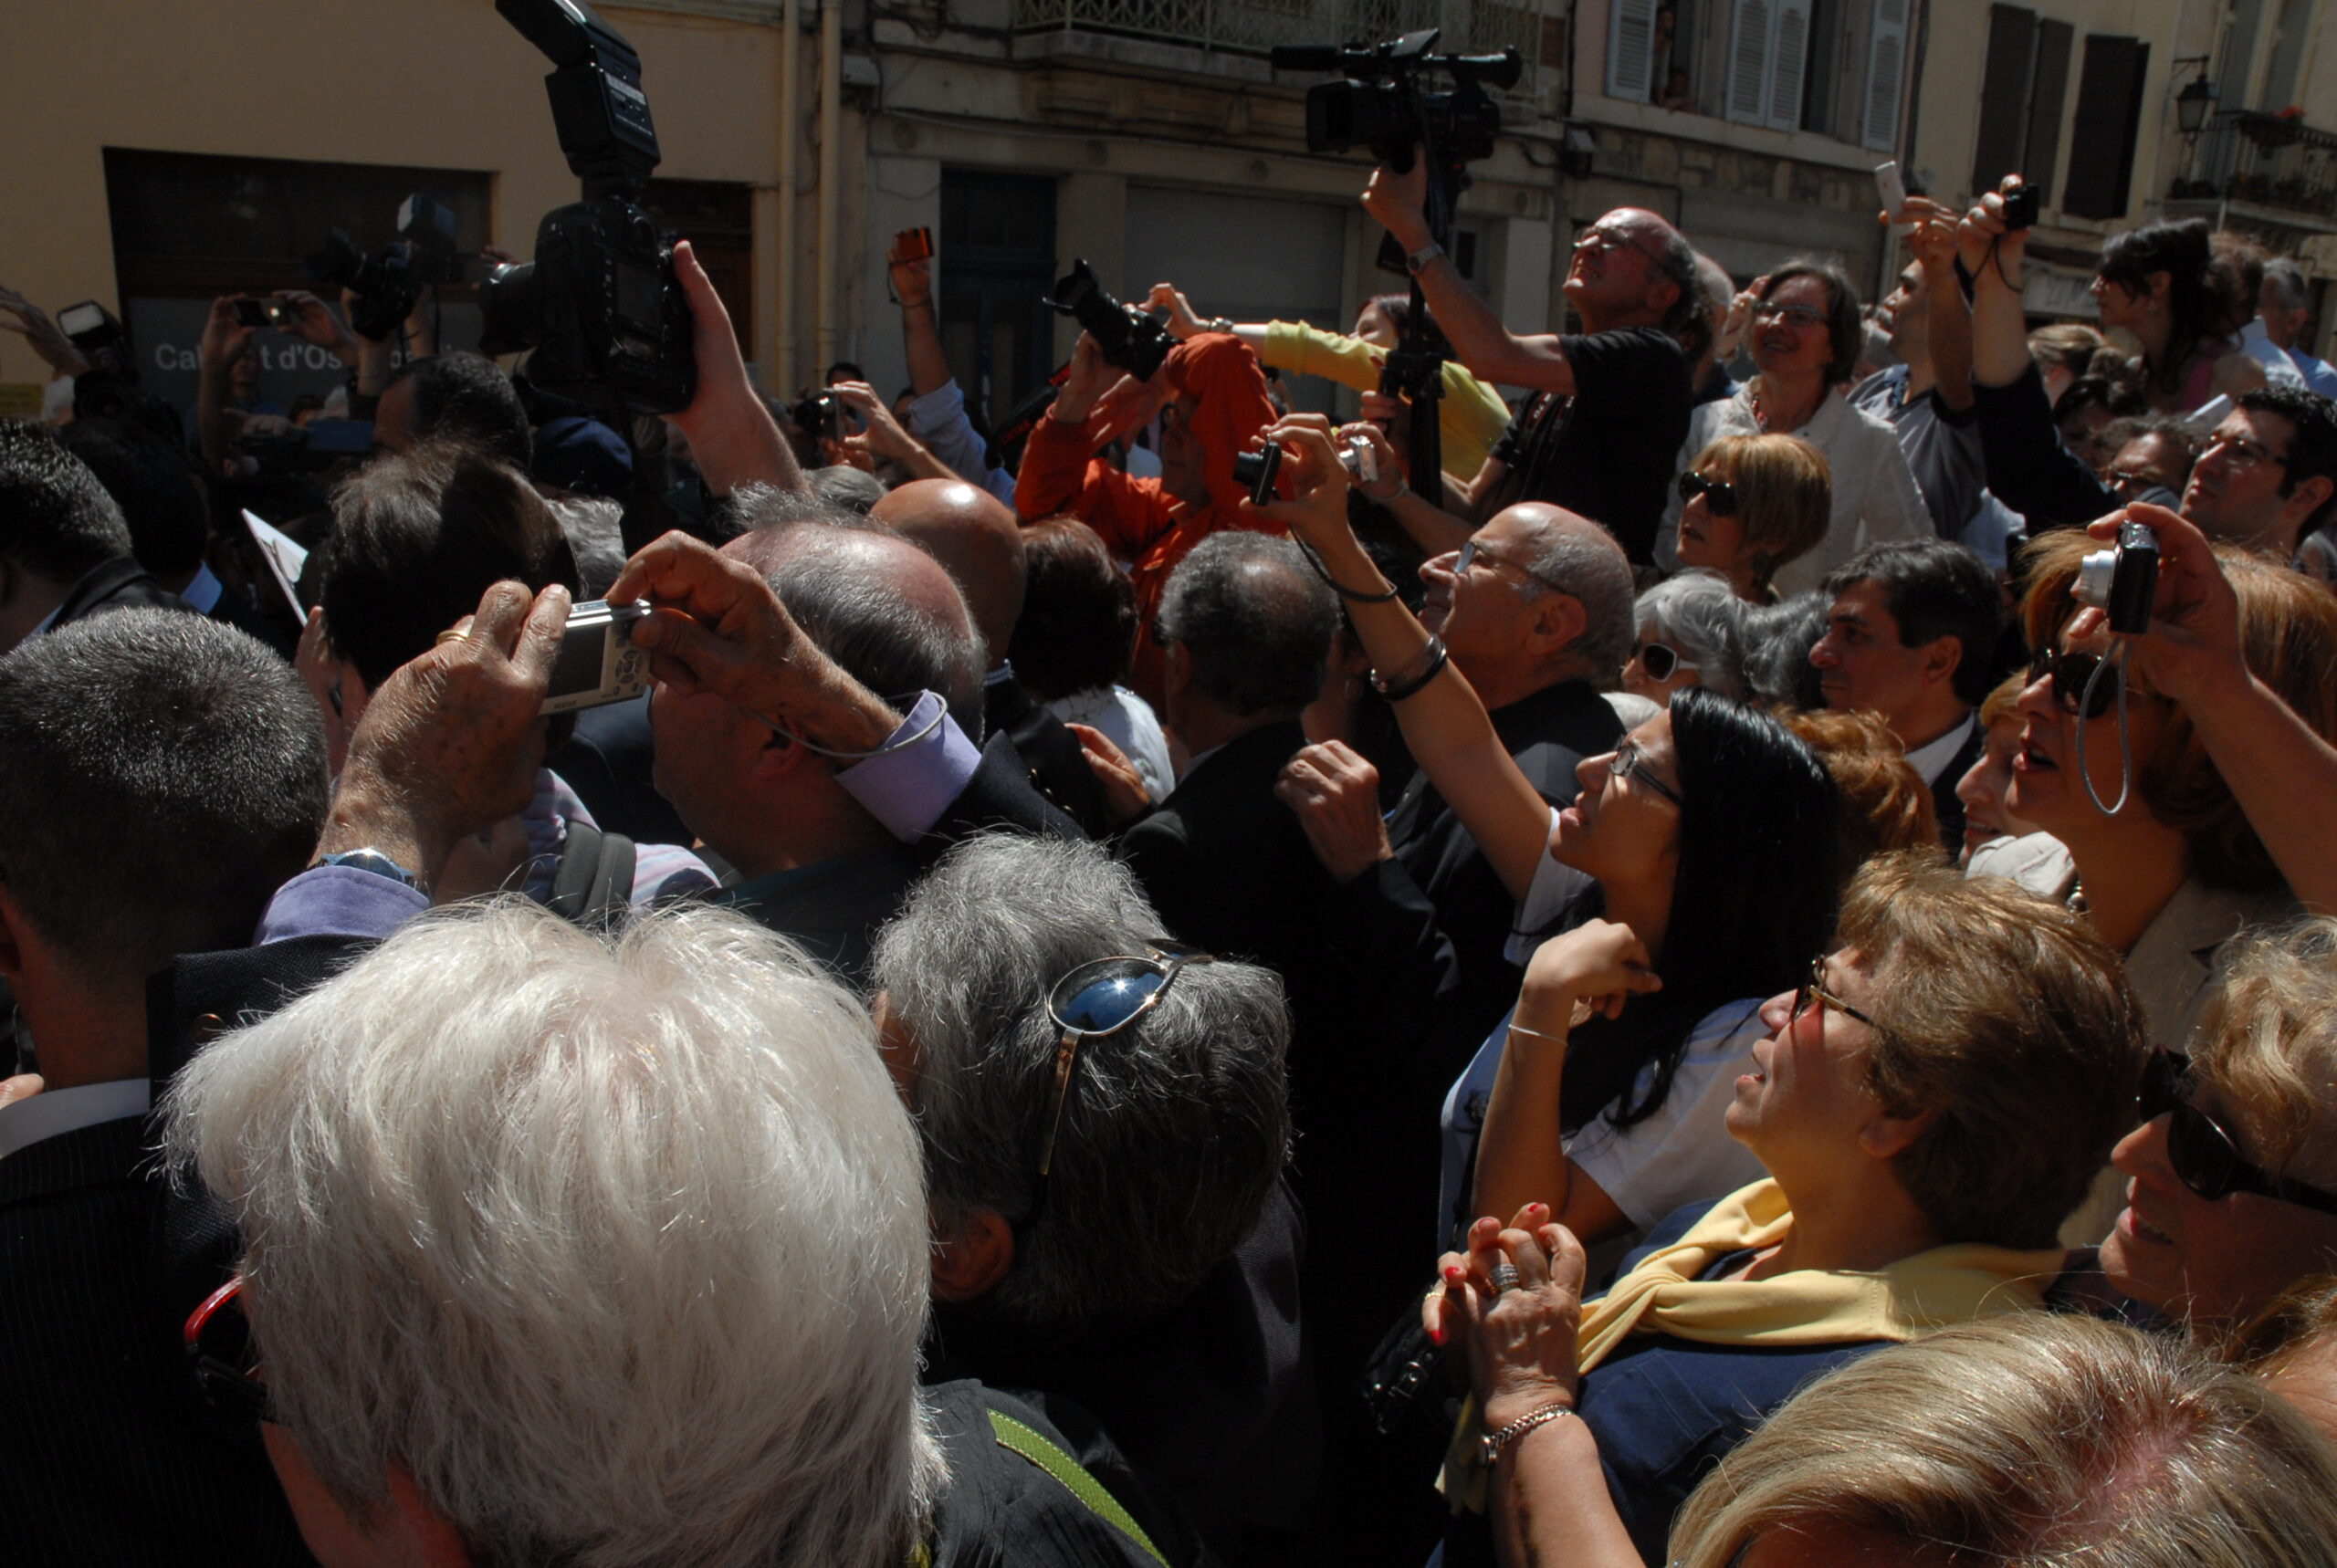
(1185, 322)
(1443, 721)
(921, 328)
(732, 434)
(1934, 242)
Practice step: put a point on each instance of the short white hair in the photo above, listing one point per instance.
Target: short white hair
(617, 1245)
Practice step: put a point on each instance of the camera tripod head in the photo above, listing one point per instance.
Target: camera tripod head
(598, 108)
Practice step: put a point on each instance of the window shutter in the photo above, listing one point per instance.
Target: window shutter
(1885, 64)
(1788, 64)
(1749, 61)
(2003, 96)
(2102, 142)
(2046, 96)
(1630, 49)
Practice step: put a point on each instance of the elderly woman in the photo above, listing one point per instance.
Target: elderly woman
(566, 1250)
(1805, 337)
(1929, 1105)
(2233, 1196)
(1689, 635)
(1749, 503)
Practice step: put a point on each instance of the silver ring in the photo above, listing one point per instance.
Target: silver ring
(1505, 1277)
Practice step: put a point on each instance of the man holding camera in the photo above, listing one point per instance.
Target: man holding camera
(1211, 400)
(1612, 409)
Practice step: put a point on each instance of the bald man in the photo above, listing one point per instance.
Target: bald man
(814, 862)
(975, 536)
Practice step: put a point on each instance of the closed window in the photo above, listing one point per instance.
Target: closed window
(2021, 98)
(2102, 139)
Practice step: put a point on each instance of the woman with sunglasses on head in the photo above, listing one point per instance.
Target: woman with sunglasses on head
(1701, 851)
(1928, 1105)
(1749, 503)
(1806, 337)
(2233, 1190)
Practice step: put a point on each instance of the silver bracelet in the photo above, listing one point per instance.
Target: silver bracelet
(1219, 324)
(1490, 1446)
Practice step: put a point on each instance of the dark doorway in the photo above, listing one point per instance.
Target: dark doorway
(997, 261)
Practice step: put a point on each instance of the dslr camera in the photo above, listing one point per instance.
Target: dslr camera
(2122, 581)
(1130, 339)
(383, 287)
(600, 304)
(108, 388)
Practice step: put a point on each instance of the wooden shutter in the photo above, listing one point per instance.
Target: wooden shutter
(1630, 49)
(1886, 63)
(2003, 96)
(2047, 93)
(1788, 64)
(1749, 61)
(2102, 142)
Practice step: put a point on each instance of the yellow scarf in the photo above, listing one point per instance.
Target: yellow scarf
(1663, 1295)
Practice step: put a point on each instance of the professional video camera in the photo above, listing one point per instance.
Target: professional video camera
(1131, 339)
(1383, 103)
(381, 287)
(600, 304)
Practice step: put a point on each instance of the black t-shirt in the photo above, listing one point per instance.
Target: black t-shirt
(1608, 451)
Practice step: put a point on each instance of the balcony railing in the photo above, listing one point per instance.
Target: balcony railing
(1254, 27)
(2270, 160)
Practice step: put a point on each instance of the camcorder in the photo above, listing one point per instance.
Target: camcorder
(598, 305)
(1131, 339)
(108, 388)
(597, 663)
(2122, 581)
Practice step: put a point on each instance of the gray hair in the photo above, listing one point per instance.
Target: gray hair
(1596, 574)
(1174, 1130)
(1254, 619)
(1698, 615)
(2035, 1437)
(842, 485)
(846, 601)
(2287, 279)
(614, 1243)
(161, 776)
(1777, 641)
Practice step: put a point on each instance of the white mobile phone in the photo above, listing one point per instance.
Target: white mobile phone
(1894, 192)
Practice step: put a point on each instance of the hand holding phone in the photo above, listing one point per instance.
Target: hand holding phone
(1894, 192)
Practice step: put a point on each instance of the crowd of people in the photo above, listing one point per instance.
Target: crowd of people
(1745, 975)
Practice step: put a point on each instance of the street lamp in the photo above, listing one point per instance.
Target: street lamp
(2197, 101)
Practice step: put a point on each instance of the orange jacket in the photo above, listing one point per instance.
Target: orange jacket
(1140, 522)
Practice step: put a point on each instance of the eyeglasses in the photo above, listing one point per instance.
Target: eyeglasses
(1720, 496)
(1471, 551)
(2072, 677)
(1657, 660)
(2127, 481)
(1813, 993)
(1799, 315)
(2202, 1154)
(1102, 998)
(1604, 238)
(2239, 452)
(219, 1348)
(1627, 763)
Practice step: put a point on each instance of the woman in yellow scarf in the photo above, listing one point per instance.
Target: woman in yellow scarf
(1929, 1107)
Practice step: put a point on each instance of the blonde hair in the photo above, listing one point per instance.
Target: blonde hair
(2288, 635)
(2002, 705)
(1784, 493)
(2267, 1047)
(2071, 345)
(1885, 803)
(2047, 1439)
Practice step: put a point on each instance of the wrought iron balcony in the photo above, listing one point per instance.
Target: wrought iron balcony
(2268, 160)
(1254, 27)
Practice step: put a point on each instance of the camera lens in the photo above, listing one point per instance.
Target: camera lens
(2096, 572)
(509, 302)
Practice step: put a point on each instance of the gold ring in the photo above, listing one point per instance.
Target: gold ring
(452, 634)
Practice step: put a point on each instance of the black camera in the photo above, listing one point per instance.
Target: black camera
(821, 415)
(1255, 470)
(1383, 105)
(108, 388)
(1130, 339)
(382, 287)
(600, 304)
(2020, 208)
(2122, 581)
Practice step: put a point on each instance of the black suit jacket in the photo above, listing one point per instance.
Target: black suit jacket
(117, 584)
(1944, 797)
(1058, 767)
(111, 1457)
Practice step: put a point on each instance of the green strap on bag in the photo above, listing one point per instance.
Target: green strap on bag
(1035, 1447)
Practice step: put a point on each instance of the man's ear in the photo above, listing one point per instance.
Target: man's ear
(969, 1262)
(782, 757)
(1559, 621)
(2309, 495)
(1941, 657)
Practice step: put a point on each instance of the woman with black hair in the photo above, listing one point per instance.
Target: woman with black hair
(1805, 335)
(1702, 849)
(2161, 283)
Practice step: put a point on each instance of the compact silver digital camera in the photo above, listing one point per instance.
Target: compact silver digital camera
(598, 664)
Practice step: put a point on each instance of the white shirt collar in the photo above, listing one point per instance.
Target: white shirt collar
(53, 1113)
(1932, 760)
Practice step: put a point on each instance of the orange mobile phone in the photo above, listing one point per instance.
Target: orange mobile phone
(913, 245)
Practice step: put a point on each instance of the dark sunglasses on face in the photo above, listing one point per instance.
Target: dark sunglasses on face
(2205, 1157)
(1657, 660)
(1102, 998)
(2071, 674)
(218, 1348)
(1799, 315)
(1720, 496)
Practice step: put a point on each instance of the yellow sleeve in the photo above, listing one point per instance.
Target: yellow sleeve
(1311, 351)
(1472, 417)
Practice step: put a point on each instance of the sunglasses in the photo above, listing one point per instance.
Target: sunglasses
(1799, 315)
(2202, 1154)
(1102, 998)
(1814, 994)
(218, 1344)
(1627, 763)
(1720, 496)
(2071, 674)
(1657, 660)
